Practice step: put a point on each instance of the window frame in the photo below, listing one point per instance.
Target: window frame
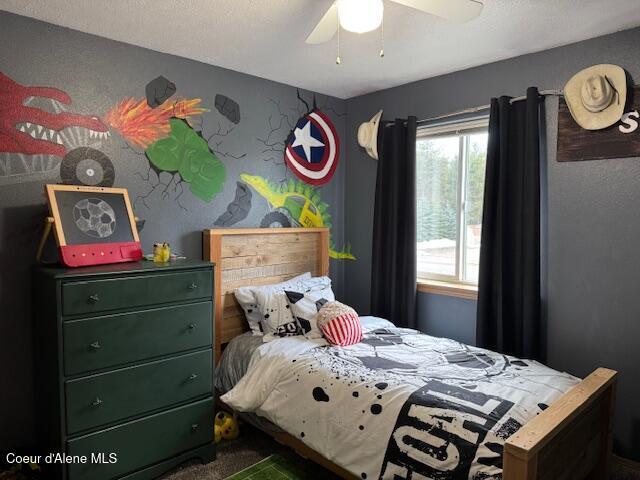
(462, 129)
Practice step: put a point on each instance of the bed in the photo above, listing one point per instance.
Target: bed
(567, 436)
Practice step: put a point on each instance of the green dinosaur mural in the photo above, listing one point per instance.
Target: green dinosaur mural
(186, 152)
(295, 204)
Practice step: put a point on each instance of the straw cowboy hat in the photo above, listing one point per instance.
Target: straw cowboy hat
(596, 96)
(368, 135)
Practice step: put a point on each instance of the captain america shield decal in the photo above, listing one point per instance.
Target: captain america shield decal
(313, 148)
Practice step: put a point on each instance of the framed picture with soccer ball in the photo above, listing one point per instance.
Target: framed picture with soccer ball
(93, 225)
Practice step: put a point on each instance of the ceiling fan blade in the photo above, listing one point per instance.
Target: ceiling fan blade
(326, 27)
(454, 10)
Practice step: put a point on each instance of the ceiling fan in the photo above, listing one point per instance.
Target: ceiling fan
(362, 16)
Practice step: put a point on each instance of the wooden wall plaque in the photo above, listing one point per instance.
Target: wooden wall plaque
(621, 140)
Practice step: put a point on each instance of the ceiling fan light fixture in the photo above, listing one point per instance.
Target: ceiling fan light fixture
(360, 16)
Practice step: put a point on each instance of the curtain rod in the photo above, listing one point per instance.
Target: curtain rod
(543, 93)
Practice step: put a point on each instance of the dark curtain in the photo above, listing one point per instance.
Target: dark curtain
(509, 283)
(393, 272)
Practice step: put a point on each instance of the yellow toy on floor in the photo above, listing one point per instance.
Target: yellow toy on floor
(225, 426)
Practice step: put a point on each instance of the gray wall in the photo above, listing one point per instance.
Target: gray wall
(446, 316)
(97, 74)
(593, 221)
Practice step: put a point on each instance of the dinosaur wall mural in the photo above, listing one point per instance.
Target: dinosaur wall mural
(295, 204)
(29, 130)
(34, 139)
(160, 127)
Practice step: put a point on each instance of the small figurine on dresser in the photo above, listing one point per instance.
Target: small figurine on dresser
(161, 252)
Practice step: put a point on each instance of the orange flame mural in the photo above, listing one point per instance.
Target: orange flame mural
(142, 125)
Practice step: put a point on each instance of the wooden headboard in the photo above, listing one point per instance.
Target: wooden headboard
(258, 256)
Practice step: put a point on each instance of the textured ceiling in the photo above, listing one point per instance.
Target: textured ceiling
(266, 37)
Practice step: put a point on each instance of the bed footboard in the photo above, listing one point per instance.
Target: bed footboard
(569, 440)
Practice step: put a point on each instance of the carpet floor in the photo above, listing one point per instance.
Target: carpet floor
(236, 455)
(253, 446)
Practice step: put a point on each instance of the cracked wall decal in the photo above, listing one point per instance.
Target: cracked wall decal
(228, 108)
(184, 151)
(158, 91)
(312, 148)
(238, 209)
(280, 123)
(216, 143)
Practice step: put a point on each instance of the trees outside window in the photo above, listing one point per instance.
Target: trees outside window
(449, 193)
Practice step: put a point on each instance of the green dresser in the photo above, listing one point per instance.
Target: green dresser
(124, 368)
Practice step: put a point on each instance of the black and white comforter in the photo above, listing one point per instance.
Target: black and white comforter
(400, 404)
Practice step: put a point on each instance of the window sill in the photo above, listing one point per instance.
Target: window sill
(450, 289)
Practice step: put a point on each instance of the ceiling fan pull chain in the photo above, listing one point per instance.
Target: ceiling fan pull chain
(338, 59)
(382, 38)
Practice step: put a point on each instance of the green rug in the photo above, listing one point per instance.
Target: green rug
(278, 467)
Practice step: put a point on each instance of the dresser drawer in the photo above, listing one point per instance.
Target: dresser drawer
(143, 442)
(108, 397)
(119, 293)
(110, 340)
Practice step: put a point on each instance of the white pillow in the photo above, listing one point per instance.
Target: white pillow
(246, 297)
(373, 323)
(305, 304)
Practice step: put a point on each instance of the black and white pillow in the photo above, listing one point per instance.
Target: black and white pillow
(277, 320)
(306, 303)
(246, 297)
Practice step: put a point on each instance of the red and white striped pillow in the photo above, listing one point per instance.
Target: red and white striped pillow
(340, 324)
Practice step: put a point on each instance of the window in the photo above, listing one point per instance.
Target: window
(450, 186)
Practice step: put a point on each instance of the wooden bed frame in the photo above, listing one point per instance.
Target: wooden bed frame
(569, 440)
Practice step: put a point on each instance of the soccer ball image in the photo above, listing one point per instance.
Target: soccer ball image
(94, 217)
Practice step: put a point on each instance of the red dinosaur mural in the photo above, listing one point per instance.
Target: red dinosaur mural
(32, 131)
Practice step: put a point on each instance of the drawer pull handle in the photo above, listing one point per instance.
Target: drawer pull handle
(94, 298)
(96, 345)
(193, 286)
(195, 427)
(192, 326)
(193, 376)
(97, 402)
